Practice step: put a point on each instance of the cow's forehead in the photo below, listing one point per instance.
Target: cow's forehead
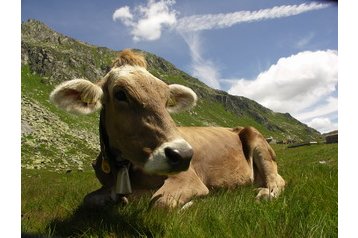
(136, 79)
(127, 71)
(136, 73)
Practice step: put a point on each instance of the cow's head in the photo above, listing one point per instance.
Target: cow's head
(136, 113)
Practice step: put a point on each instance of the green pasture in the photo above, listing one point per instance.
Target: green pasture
(51, 205)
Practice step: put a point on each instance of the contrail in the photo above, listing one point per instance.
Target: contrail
(217, 21)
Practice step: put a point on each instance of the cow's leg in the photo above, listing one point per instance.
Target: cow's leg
(98, 198)
(272, 184)
(179, 189)
(263, 160)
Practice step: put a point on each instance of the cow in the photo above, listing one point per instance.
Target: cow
(143, 149)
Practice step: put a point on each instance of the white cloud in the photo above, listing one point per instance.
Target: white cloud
(203, 69)
(147, 22)
(303, 42)
(294, 83)
(301, 84)
(217, 21)
(124, 15)
(329, 106)
(323, 125)
(207, 73)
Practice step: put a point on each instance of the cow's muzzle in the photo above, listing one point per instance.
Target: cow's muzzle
(179, 159)
(171, 157)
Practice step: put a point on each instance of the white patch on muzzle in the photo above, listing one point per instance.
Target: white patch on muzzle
(158, 163)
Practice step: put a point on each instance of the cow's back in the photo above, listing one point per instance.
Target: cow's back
(218, 156)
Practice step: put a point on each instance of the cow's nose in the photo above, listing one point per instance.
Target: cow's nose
(177, 157)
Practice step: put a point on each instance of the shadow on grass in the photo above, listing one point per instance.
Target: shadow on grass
(111, 221)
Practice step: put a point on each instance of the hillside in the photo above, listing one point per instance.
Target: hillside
(54, 139)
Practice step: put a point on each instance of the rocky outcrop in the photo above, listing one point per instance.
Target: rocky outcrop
(51, 143)
(58, 57)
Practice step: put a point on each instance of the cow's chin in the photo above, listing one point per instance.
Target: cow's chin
(161, 166)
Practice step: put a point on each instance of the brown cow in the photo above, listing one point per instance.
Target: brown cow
(141, 147)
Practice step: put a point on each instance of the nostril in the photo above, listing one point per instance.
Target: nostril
(173, 155)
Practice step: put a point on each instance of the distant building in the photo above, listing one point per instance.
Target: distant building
(332, 138)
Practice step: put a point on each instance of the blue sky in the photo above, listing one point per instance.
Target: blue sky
(282, 54)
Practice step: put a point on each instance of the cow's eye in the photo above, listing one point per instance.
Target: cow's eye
(121, 96)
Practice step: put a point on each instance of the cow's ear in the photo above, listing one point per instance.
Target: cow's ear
(181, 98)
(77, 96)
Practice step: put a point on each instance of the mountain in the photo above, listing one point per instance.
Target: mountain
(52, 138)
(330, 133)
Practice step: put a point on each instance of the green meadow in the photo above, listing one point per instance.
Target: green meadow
(51, 205)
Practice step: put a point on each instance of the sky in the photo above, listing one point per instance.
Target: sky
(282, 54)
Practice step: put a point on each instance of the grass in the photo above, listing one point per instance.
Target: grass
(51, 205)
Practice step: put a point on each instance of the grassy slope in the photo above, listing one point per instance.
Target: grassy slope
(307, 208)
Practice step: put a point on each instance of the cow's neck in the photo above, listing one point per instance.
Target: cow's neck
(113, 157)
